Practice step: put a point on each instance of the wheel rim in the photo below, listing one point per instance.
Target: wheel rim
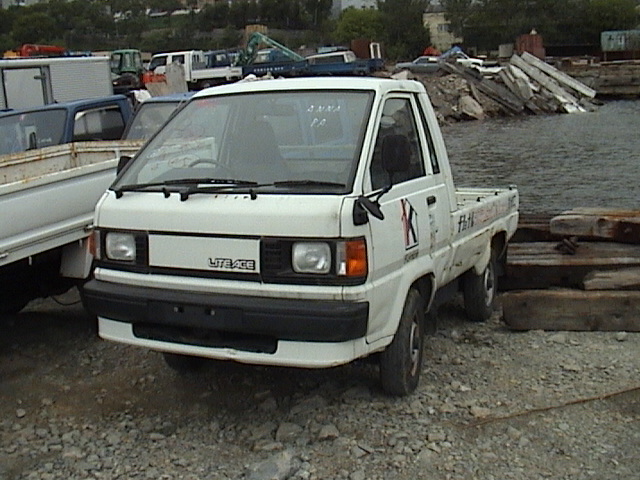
(489, 284)
(415, 340)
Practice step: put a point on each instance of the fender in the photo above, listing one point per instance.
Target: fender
(483, 261)
(414, 271)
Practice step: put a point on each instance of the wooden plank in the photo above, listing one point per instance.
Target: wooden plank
(533, 265)
(559, 76)
(592, 254)
(617, 225)
(533, 228)
(622, 279)
(572, 310)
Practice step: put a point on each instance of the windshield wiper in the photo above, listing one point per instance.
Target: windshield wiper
(305, 183)
(192, 182)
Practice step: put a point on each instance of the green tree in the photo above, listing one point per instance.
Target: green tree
(405, 34)
(34, 27)
(164, 5)
(605, 15)
(319, 11)
(7, 17)
(354, 23)
(488, 23)
(457, 14)
(243, 12)
(213, 16)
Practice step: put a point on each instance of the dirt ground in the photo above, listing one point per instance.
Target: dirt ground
(492, 404)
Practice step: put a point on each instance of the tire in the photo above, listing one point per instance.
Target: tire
(205, 84)
(480, 291)
(183, 363)
(401, 361)
(12, 305)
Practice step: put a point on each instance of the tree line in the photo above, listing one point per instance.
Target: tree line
(84, 25)
(397, 24)
(485, 24)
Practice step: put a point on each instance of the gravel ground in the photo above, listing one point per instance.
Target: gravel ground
(492, 404)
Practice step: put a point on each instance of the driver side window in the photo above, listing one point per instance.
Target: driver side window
(397, 119)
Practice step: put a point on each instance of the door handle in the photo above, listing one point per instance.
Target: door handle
(431, 199)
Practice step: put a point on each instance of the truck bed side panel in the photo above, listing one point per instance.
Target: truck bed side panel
(47, 198)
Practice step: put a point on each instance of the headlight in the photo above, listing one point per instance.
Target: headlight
(120, 246)
(311, 257)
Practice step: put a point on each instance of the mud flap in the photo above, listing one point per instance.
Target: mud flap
(76, 260)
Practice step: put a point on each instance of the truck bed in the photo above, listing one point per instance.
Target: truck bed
(479, 207)
(47, 196)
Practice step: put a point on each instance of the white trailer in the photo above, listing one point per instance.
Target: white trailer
(30, 82)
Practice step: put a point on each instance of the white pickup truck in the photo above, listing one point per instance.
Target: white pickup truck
(196, 72)
(298, 223)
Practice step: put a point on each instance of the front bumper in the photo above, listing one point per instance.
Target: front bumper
(254, 324)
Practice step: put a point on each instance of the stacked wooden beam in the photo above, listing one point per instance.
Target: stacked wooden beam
(583, 273)
(620, 78)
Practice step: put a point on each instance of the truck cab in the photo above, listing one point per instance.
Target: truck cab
(295, 223)
(189, 59)
(58, 123)
(126, 69)
(151, 114)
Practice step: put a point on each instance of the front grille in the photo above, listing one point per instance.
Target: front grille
(274, 255)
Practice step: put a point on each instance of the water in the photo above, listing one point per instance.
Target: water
(558, 162)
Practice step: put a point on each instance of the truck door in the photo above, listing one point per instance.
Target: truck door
(24, 87)
(406, 237)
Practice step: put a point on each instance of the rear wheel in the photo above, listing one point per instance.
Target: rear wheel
(480, 292)
(401, 362)
(9, 306)
(183, 363)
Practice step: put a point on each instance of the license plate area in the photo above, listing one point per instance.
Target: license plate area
(203, 326)
(198, 316)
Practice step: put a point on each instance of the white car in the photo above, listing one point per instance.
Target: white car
(464, 59)
(430, 64)
(423, 64)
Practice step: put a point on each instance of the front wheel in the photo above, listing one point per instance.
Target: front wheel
(401, 362)
(480, 291)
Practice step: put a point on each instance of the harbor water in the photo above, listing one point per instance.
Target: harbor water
(558, 162)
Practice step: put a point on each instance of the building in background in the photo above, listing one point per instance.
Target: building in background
(340, 5)
(18, 3)
(439, 28)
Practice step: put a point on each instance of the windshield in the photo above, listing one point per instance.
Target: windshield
(26, 131)
(148, 119)
(309, 139)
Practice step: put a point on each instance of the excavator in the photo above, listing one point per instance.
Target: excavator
(257, 39)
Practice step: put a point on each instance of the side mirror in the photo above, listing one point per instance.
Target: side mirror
(123, 162)
(396, 151)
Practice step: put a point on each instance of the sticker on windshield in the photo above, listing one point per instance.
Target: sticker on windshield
(409, 224)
